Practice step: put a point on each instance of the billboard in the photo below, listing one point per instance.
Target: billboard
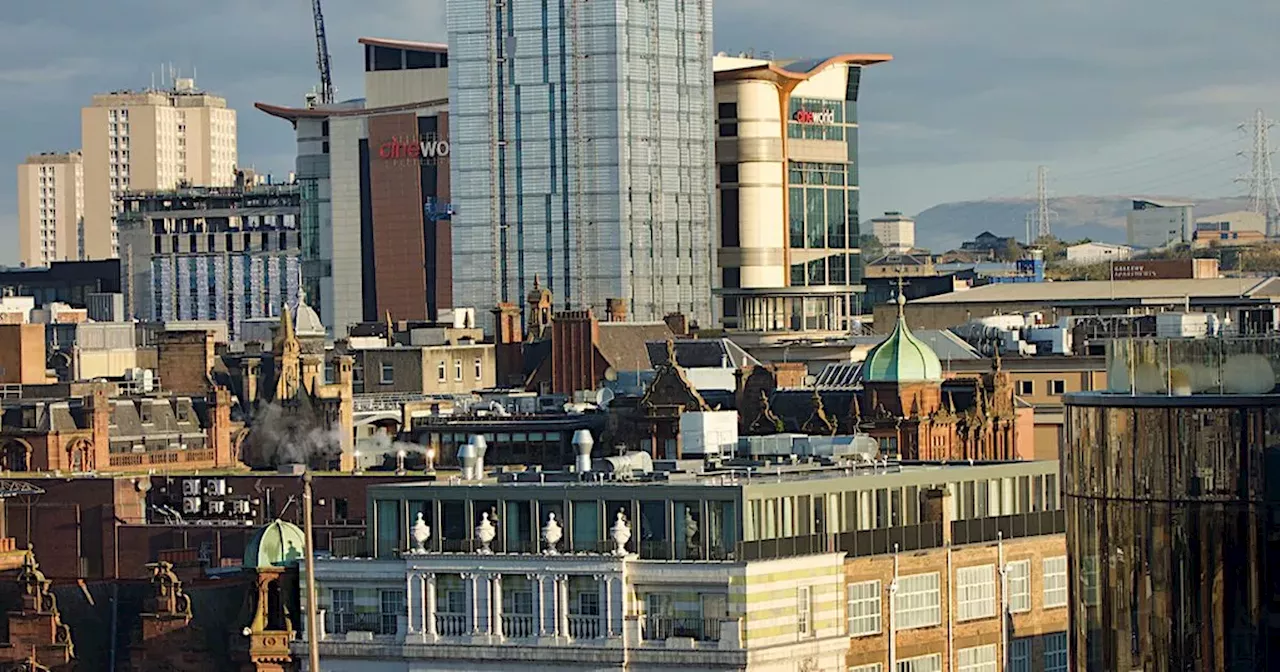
(1163, 269)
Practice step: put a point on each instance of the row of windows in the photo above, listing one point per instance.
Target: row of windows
(836, 269)
(379, 59)
(917, 603)
(984, 658)
(1028, 387)
(388, 373)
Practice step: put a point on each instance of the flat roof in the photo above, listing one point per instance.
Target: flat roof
(409, 45)
(1256, 289)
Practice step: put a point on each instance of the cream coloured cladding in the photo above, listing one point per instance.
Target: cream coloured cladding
(758, 153)
(342, 300)
(828, 85)
(400, 87)
(150, 141)
(775, 606)
(50, 207)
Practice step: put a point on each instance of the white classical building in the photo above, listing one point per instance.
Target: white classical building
(579, 611)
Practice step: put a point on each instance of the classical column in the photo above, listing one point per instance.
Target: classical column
(539, 616)
(429, 604)
(495, 611)
(408, 601)
(606, 612)
(562, 608)
(473, 608)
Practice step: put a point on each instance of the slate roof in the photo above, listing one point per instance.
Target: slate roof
(624, 344)
(701, 353)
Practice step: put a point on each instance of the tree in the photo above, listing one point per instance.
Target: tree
(871, 247)
(1011, 252)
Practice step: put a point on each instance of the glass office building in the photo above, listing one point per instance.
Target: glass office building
(582, 153)
(787, 159)
(1172, 491)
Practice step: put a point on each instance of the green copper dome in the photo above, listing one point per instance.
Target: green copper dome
(279, 544)
(901, 358)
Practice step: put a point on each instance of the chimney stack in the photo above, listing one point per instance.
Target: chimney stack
(582, 444)
(615, 310)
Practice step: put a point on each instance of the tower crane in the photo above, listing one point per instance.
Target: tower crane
(322, 55)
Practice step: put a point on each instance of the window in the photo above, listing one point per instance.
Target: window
(388, 374)
(870, 667)
(457, 369)
(1055, 652)
(341, 509)
(1019, 586)
(977, 659)
(393, 607)
(1057, 387)
(727, 111)
(804, 611)
(929, 663)
(728, 173)
(917, 603)
(440, 374)
(343, 603)
(1055, 582)
(1020, 655)
(976, 592)
(479, 369)
(728, 130)
(730, 218)
(864, 608)
(1026, 387)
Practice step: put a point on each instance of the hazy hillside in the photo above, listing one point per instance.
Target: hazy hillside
(945, 226)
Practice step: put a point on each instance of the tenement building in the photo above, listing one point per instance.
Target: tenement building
(787, 160)
(1170, 483)
(821, 564)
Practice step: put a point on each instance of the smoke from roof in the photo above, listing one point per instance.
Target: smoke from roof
(279, 437)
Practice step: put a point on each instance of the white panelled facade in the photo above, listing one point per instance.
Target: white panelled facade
(582, 153)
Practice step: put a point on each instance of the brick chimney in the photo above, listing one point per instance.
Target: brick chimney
(615, 310)
(937, 509)
(574, 335)
(508, 341)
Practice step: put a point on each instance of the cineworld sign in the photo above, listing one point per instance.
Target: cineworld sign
(811, 117)
(425, 150)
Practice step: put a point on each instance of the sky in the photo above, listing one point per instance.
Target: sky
(1132, 97)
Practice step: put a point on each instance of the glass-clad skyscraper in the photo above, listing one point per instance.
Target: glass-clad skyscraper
(582, 152)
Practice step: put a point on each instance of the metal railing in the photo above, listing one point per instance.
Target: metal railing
(663, 627)
(981, 530)
(451, 625)
(517, 625)
(584, 627)
(340, 623)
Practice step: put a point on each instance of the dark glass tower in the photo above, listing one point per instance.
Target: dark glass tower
(1172, 535)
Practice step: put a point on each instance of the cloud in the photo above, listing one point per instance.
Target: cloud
(978, 94)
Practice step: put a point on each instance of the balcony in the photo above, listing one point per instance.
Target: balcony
(661, 628)
(584, 627)
(518, 625)
(341, 623)
(452, 625)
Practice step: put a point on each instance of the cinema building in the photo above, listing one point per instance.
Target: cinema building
(787, 166)
(374, 175)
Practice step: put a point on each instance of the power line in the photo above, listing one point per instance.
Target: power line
(1043, 213)
(1261, 179)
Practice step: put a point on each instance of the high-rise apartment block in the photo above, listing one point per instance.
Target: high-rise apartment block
(583, 153)
(150, 140)
(51, 209)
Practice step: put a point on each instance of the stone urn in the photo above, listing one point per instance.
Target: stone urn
(485, 533)
(420, 533)
(620, 533)
(551, 535)
(690, 531)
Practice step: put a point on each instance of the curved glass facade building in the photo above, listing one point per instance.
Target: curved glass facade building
(787, 167)
(1172, 536)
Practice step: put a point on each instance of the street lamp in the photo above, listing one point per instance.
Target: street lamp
(431, 460)
(400, 462)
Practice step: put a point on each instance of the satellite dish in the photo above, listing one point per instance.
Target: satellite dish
(610, 374)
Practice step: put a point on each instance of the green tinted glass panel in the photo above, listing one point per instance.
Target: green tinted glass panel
(815, 217)
(796, 207)
(836, 218)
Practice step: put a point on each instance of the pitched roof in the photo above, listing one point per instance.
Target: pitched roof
(624, 344)
(700, 353)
